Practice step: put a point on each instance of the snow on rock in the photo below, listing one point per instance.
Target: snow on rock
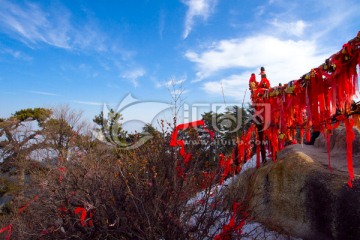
(250, 231)
(251, 163)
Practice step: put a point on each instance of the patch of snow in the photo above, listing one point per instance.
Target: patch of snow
(251, 163)
(251, 230)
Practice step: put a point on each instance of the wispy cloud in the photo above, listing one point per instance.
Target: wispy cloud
(197, 9)
(30, 24)
(171, 82)
(15, 54)
(89, 103)
(134, 75)
(43, 93)
(295, 28)
(339, 15)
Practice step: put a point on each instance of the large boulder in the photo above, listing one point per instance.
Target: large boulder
(301, 196)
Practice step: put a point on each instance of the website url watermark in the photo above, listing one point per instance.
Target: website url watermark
(225, 142)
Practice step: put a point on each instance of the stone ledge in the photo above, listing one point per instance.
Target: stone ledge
(301, 196)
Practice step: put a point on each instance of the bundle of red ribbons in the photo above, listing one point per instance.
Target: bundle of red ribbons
(319, 100)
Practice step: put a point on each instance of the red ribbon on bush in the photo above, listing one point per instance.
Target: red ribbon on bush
(28, 204)
(232, 227)
(82, 212)
(174, 142)
(7, 228)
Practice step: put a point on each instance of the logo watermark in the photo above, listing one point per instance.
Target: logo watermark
(221, 118)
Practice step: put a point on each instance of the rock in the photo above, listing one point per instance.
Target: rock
(302, 197)
(338, 141)
(3, 201)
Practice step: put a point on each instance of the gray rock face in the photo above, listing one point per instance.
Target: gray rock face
(302, 197)
(338, 142)
(3, 201)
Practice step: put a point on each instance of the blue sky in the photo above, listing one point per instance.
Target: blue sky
(86, 53)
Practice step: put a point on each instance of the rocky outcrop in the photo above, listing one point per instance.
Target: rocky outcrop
(338, 144)
(302, 197)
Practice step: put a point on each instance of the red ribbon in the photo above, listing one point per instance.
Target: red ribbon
(350, 136)
(321, 93)
(257, 145)
(62, 172)
(82, 212)
(9, 229)
(174, 142)
(28, 204)
(222, 166)
(232, 227)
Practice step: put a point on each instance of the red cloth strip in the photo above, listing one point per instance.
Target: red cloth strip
(350, 136)
(82, 212)
(7, 228)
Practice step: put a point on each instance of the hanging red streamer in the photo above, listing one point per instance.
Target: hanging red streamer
(9, 229)
(350, 136)
(325, 93)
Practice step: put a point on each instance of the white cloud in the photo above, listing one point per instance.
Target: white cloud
(133, 75)
(234, 86)
(286, 45)
(286, 58)
(174, 82)
(197, 8)
(171, 82)
(292, 28)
